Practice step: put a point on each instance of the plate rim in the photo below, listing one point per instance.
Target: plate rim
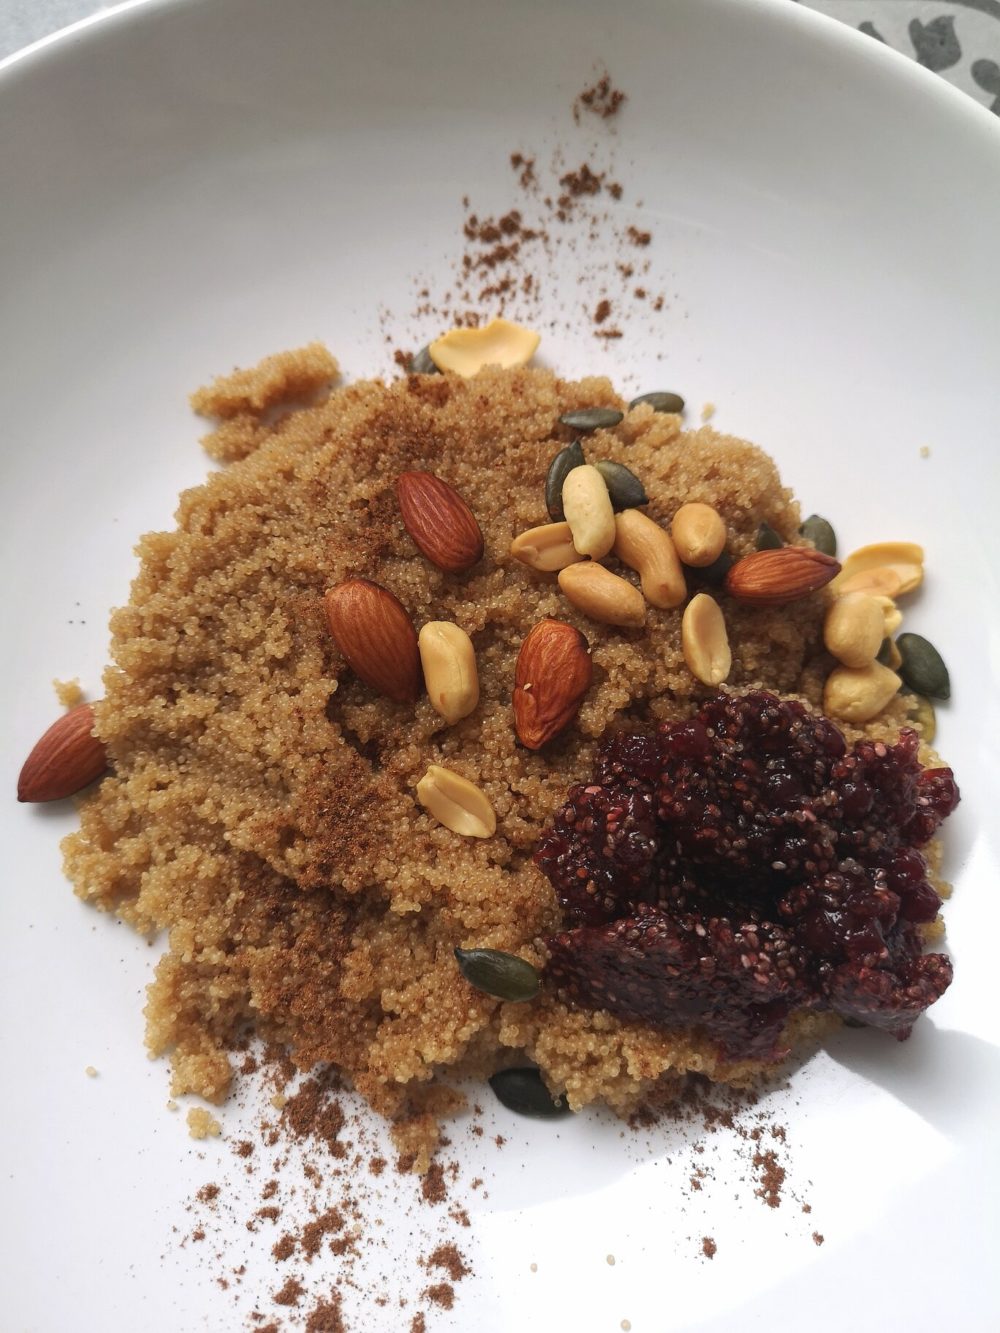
(833, 32)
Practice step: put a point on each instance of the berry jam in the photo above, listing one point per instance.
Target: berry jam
(726, 871)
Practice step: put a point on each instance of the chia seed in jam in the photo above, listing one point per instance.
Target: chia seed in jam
(729, 870)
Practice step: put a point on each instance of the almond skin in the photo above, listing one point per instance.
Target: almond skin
(772, 578)
(443, 527)
(552, 675)
(371, 628)
(67, 758)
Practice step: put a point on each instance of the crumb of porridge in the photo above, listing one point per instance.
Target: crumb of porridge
(90, 1071)
(68, 692)
(262, 804)
(202, 1124)
(925, 451)
(242, 401)
(707, 411)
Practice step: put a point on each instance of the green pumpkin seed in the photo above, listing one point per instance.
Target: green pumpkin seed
(624, 487)
(502, 975)
(522, 1091)
(923, 668)
(920, 709)
(716, 572)
(660, 402)
(768, 539)
(592, 418)
(560, 467)
(884, 654)
(820, 533)
(421, 363)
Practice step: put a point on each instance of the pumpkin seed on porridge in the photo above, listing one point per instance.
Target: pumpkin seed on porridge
(318, 836)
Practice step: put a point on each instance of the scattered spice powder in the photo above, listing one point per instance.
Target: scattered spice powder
(501, 268)
(326, 1317)
(450, 1259)
(582, 181)
(442, 1293)
(432, 1186)
(510, 261)
(772, 1177)
(600, 99)
(284, 1248)
(313, 1113)
(290, 1294)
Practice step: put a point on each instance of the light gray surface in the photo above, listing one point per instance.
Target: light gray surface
(958, 39)
(25, 21)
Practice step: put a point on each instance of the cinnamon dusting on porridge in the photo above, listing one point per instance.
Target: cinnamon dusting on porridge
(318, 840)
(262, 807)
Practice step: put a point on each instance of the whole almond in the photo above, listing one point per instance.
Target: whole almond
(371, 628)
(66, 759)
(553, 673)
(772, 578)
(443, 527)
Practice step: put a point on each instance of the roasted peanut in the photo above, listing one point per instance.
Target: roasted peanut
(548, 548)
(892, 617)
(857, 694)
(854, 629)
(705, 641)
(602, 595)
(882, 580)
(587, 506)
(699, 534)
(499, 343)
(862, 570)
(456, 802)
(648, 549)
(449, 662)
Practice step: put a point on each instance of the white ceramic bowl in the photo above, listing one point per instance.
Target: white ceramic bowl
(189, 185)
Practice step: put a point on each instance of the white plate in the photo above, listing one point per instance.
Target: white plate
(187, 186)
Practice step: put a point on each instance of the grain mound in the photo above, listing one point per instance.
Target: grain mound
(262, 807)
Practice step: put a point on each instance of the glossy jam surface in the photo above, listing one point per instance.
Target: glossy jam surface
(728, 870)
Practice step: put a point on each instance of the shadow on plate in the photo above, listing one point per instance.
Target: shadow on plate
(951, 1079)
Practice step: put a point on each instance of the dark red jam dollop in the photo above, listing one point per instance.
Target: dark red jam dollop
(728, 870)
